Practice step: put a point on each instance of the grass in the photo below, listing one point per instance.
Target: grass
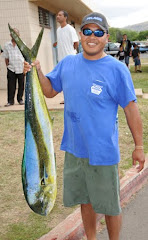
(125, 137)
(18, 222)
(141, 80)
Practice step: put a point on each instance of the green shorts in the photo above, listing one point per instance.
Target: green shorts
(98, 185)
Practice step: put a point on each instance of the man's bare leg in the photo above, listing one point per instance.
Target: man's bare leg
(89, 221)
(114, 226)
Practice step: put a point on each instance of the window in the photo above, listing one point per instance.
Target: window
(44, 17)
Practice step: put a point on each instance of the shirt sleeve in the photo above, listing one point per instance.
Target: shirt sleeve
(55, 77)
(125, 92)
(5, 53)
(74, 35)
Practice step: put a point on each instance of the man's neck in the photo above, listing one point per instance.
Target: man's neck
(13, 42)
(63, 24)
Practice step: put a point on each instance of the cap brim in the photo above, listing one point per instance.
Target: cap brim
(89, 22)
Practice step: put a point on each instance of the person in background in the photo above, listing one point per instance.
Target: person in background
(121, 54)
(14, 63)
(94, 85)
(126, 44)
(136, 58)
(67, 39)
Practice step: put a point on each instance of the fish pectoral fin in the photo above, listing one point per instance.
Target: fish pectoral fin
(43, 182)
(52, 120)
(55, 159)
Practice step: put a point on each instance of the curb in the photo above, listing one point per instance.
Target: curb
(72, 227)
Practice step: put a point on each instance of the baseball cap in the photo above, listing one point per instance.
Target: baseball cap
(96, 18)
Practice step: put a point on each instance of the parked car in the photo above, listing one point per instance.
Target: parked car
(117, 44)
(111, 49)
(142, 47)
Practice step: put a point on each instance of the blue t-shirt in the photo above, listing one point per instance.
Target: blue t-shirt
(92, 90)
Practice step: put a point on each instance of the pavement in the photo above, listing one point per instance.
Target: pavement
(72, 228)
(52, 103)
(135, 218)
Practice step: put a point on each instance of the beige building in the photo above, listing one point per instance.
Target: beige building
(29, 16)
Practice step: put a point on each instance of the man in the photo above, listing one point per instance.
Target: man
(127, 48)
(14, 62)
(67, 39)
(94, 84)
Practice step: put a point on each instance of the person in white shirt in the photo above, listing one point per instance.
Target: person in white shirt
(67, 39)
(14, 63)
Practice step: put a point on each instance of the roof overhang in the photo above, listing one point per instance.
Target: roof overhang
(75, 8)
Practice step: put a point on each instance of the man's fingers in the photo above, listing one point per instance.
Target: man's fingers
(27, 67)
(141, 166)
(134, 162)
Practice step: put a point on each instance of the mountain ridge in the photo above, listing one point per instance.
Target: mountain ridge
(138, 27)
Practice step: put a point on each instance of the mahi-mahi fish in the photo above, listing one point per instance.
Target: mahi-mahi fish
(38, 164)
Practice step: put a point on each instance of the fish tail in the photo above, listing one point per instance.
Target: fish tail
(21, 45)
(27, 53)
(35, 48)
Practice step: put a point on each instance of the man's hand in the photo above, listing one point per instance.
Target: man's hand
(27, 66)
(138, 156)
(135, 124)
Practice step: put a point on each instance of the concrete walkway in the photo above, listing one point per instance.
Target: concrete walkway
(52, 103)
(135, 218)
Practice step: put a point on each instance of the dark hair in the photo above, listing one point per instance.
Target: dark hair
(65, 14)
(72, 24)
(135, 45)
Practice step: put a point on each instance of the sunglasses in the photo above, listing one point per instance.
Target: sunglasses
(97, 33)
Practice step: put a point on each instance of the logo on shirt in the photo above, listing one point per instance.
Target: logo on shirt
(96, 89)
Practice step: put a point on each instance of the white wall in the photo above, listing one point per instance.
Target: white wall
(45, 55)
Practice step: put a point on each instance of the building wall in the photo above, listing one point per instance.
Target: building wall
(45, 54)
(23, 15)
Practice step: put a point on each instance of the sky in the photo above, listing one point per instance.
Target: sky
(121, 13)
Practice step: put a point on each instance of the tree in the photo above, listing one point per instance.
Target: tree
(143, 35)
(117, 33)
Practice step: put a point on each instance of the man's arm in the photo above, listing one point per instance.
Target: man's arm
(48, 91)
(76, 45)
(7, 61)
(135, 124)
(55, 44)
